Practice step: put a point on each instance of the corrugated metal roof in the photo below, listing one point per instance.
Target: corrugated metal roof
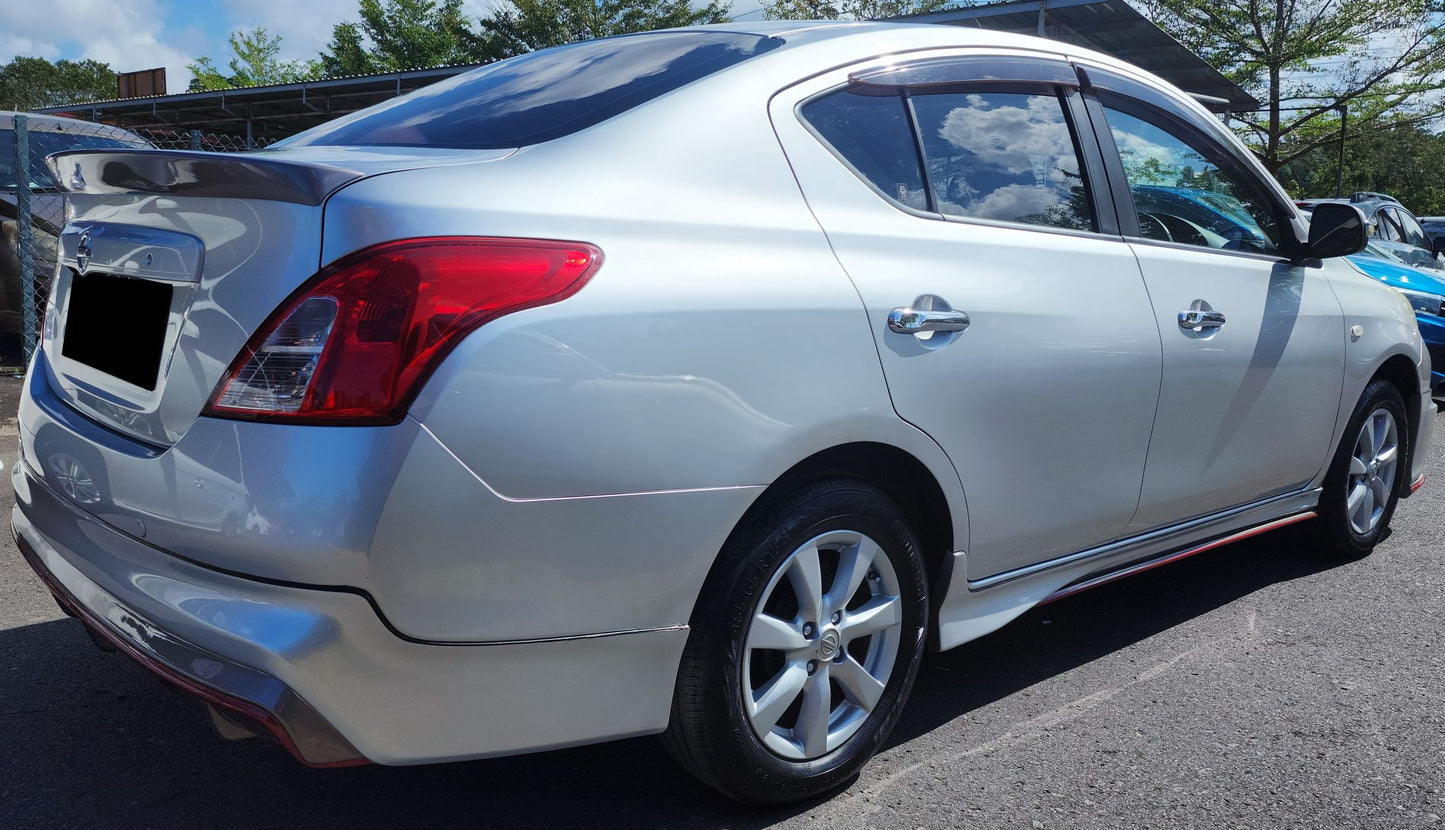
(1110, 26)
(271, 112)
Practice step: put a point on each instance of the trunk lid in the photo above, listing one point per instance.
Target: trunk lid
(171, 260)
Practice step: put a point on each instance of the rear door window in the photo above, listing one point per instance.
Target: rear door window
(542, 95)
(1004, 156)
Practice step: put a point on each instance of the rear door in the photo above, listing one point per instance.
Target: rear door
(1254, 345)
(957, 195)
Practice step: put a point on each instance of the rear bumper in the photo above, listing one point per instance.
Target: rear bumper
(250, 695)
(322, 671)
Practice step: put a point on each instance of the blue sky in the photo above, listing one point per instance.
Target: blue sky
(142, 34)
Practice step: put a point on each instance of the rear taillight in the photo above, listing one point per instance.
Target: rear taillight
(355, 344)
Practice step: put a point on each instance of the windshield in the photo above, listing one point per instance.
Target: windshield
(542, 95)
(45, 142)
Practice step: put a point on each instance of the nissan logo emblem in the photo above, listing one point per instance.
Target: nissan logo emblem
(82, 252)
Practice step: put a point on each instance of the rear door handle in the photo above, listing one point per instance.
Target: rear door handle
(1196, 319)
(918, 320)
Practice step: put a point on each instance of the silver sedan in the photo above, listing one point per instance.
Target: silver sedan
(690, 383)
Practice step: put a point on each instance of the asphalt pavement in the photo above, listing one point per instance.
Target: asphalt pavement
(1256, 686)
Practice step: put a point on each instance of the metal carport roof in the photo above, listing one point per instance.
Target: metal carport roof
(265, 113)
(1110, 26)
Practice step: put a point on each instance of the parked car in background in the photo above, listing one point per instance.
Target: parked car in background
(1433, 225)
(47, 134)
(689, 382)
(1425, 288)
(1394, 228)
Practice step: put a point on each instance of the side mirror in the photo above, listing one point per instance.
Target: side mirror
(1336, 230)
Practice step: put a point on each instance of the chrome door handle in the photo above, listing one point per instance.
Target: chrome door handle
(918, 320)
(1196, 319)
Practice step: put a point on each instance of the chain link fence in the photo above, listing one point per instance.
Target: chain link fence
(32, 209)
(198, 140)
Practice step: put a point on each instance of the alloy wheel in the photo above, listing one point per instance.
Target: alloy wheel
(1372, 471)
(821, 645)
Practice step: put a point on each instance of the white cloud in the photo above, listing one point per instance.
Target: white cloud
(127, 34)
(304, 27)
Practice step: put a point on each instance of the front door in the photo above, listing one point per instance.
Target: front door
(1253, 345)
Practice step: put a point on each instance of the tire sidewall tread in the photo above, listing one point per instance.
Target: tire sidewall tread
(1333, 532)
(708, 732)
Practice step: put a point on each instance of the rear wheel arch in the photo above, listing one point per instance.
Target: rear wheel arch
(901, 476)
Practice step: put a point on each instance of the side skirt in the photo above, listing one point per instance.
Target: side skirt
(1168, 558)
(972, 608)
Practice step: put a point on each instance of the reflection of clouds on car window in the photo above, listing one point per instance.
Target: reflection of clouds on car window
(1148, 162)
(1013, 138)
(1003, 156)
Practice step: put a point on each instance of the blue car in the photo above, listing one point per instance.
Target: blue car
(1426, 292)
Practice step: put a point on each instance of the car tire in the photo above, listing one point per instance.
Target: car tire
(731, 726)
(1364, 480)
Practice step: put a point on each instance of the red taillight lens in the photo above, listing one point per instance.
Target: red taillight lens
(356, 342)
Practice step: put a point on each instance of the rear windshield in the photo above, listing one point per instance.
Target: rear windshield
(45, 142)
(542, 95)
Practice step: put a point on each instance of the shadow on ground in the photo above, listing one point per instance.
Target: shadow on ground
(92, 740)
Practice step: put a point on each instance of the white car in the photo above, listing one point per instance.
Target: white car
(690, 382)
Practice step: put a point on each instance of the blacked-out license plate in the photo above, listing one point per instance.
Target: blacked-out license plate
(118, 326)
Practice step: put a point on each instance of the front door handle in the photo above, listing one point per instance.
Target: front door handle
(1199, 319)
(919, 320)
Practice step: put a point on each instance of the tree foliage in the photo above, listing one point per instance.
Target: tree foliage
(850, 9)
(255, 62)
(518, 26)
(1305, 59)
(1403, 161)
(396, 35)
(28, 83)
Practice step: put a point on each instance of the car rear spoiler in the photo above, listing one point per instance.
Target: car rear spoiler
(191, 173)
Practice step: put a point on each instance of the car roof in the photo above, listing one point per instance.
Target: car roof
(1364, 200)
(59, 124)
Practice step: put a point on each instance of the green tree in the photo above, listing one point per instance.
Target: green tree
(1305, 59)
(1403, 161)
(518, 26)
(256, 63)
(851, 9)
(396, 35)
(28, 83)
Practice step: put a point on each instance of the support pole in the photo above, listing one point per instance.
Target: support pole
(25, 235)
(1340, 172)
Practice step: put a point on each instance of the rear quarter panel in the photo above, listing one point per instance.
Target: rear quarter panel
(625, 430)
